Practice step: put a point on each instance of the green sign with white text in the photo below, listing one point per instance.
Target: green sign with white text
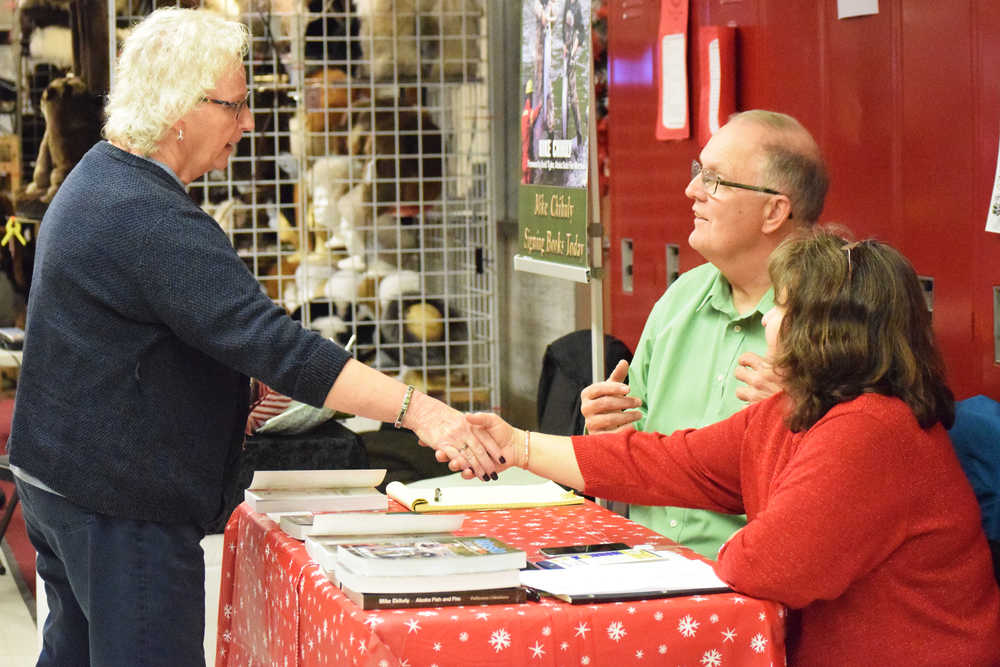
(552, 224)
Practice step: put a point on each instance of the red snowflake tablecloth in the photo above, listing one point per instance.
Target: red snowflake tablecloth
(277, 608)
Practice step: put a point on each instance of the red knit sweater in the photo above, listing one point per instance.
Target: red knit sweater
(865, 525)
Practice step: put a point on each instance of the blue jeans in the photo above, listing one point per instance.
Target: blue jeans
(120, 592)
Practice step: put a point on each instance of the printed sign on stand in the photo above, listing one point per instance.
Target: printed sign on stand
(556, 137)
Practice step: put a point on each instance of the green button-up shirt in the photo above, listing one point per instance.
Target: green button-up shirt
(683, 371)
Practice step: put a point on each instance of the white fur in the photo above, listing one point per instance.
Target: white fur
(396, 285)
(343, 288)
(355, 214)
(52, 44)
(329, 179)
(330, 326)
(389, 28)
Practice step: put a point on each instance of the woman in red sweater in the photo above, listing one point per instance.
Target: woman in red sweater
(860, 518)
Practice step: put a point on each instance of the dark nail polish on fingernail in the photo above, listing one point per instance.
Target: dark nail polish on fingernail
(503, 460)
(486, 478)
(494, 477)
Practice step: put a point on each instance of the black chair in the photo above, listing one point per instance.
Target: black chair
(566, 371)
(8, 509)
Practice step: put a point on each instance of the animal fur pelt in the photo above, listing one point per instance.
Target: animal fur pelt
(140, 8)
(402, 343)
(414, 143)
(35, 14)
(72, 125)
(275, 24)
(328, 35)
(330, 96)
(52, 44)
(392, 244)
(434, 38)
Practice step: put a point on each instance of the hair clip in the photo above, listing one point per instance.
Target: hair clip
(848, 247)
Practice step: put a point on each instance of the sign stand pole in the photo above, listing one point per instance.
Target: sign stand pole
(596, 233)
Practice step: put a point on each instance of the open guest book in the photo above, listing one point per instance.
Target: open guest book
(316, 490)
(480, 497)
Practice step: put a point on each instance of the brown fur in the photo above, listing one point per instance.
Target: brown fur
(415, 143)
(72, 125)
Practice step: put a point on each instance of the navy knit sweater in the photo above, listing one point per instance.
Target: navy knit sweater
(143, 327)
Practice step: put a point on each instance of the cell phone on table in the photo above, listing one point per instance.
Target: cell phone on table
(582, 548)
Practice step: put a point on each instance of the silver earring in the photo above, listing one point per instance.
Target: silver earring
(180, 134)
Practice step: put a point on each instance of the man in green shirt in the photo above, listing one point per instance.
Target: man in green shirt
(699, 359)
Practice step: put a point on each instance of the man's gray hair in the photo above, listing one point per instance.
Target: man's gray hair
(793, 163)
(168, 62)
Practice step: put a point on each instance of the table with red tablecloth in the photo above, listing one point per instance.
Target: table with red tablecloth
(277, 607)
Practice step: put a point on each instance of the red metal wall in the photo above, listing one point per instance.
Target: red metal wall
(906, 106)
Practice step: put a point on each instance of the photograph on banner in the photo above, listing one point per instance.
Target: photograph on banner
(556, 92)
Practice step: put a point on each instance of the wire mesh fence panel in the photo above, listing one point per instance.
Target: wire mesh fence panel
(361, 200)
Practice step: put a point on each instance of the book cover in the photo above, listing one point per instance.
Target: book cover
(513, 595)
(316, 490)
(298, 525)
(443, 555)
(323, 548)
(428, 583)
(307, 524)
(482, 497)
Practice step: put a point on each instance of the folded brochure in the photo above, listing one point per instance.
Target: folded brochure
(670, 575)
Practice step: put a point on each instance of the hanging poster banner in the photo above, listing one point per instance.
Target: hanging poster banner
(717, 64)
(672, 117)
(993, 215)
(557, 91)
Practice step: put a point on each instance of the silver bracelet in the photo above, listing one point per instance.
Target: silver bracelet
(406, 404)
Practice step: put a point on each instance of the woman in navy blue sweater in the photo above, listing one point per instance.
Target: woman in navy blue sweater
(143, 328)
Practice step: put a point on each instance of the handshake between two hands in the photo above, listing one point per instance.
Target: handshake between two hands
(606, 407)
(503, 445)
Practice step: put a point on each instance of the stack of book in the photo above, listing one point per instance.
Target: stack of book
(316, 491)
(421, 570)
